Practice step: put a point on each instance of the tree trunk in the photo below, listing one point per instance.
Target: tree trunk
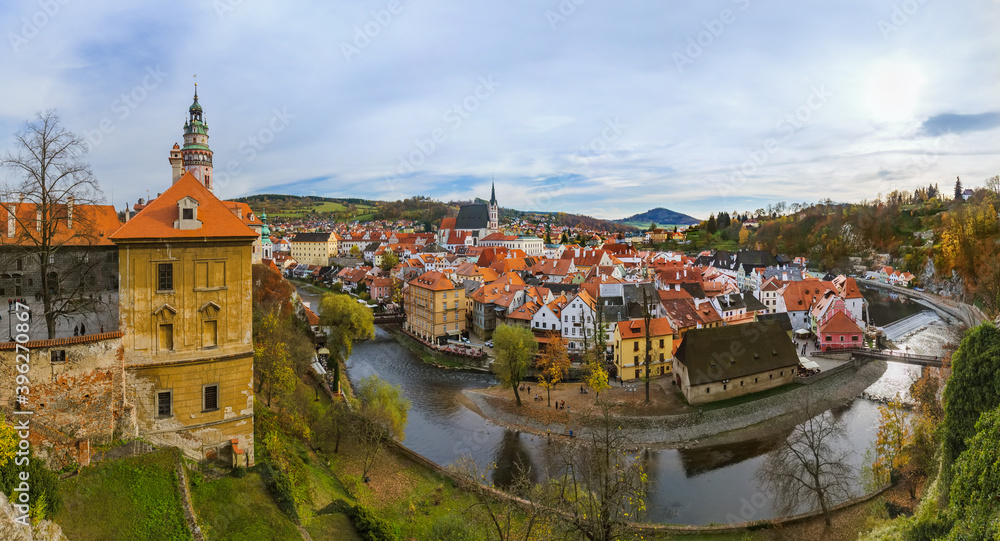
(517, 397)
(548, 392)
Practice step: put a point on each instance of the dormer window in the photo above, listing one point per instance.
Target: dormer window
(187, 214)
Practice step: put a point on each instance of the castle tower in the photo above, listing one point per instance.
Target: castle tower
(197, 157)
(494, 224)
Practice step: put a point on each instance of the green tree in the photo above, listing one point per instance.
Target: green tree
(389, 260)
(382, 415)
(973, 501)
(355, 251)
(271, 362)
(712, 226)
(564, 239)
(514, 347)
(347, 321)
(973, 388)
(958, 190)
(652, 226)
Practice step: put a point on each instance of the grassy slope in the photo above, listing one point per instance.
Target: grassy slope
(129, 498)
(231, 508)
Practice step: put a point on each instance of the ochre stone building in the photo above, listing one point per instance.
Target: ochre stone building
(185, 266)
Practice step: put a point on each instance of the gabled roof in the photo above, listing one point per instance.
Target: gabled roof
(840, 323)
(636, 328)
(314, 237)
(708, 356)
(99, 221)
(433, 280)
(156, 221)
(472, 217)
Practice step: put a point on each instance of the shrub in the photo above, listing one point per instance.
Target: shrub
(44, 486)
(281, 489)
(239, 472)
(370, 526)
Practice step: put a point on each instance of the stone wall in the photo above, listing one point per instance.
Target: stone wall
(75, 388)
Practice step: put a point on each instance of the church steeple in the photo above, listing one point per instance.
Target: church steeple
(494, 209)
(196, 154)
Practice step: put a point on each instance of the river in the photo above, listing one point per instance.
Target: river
(698, 486)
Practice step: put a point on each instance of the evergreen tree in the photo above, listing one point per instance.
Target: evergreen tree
(712, 226)
(958, 189)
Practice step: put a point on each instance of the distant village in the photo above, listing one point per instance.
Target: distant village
(455, 285)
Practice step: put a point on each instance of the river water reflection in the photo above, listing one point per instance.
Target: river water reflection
(699, 486)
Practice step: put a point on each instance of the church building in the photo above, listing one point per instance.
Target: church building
(473, 223)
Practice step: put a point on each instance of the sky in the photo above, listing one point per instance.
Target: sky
(585, 106)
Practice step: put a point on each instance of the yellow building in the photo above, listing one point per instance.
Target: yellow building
(630, 348)
(314, 248)
(435, 307)
(185, 266)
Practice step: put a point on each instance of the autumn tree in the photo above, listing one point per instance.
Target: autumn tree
(744, 236)
(514, 348)
(809, 467)
(389, 260)
(381, 416)
(355, 251)
(553, 364)
(597, 376)
(272, 364)
(52, 194)
(993, 185)
(892, 437)
(271, 291)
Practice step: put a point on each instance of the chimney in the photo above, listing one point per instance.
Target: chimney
(69, 213)
(176, 162)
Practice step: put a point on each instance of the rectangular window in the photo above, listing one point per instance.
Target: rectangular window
(635, 346)
(210, 333)
(166, 277)
(210, 395)
(166, 337)
(854, 338)
(57, 356)
(661, 343)
(164, 403)
(187, 214)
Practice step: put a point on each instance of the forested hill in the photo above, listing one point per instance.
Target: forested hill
(661, 215)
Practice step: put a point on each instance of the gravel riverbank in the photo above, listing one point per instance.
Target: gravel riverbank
(748, 420)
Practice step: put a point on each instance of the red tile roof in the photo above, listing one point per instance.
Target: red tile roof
(156, 221)
(636, 328)
(840, 323)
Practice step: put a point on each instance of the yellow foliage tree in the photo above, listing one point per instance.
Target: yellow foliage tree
(744, 236)
(597, 375)
(893, 436)
(967, 239)
(553, 364)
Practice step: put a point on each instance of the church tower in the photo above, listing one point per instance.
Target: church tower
(195, 154)
(494, 209)
(267, 247)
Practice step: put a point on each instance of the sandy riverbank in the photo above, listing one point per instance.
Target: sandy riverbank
(755, 419)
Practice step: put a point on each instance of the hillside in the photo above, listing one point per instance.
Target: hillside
(661, 215)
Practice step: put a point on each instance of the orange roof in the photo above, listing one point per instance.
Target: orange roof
(636, 328)
(92, 224)
(243, 211)
(432, 280)
(840, 323)
(156, 221)
(447, 223)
